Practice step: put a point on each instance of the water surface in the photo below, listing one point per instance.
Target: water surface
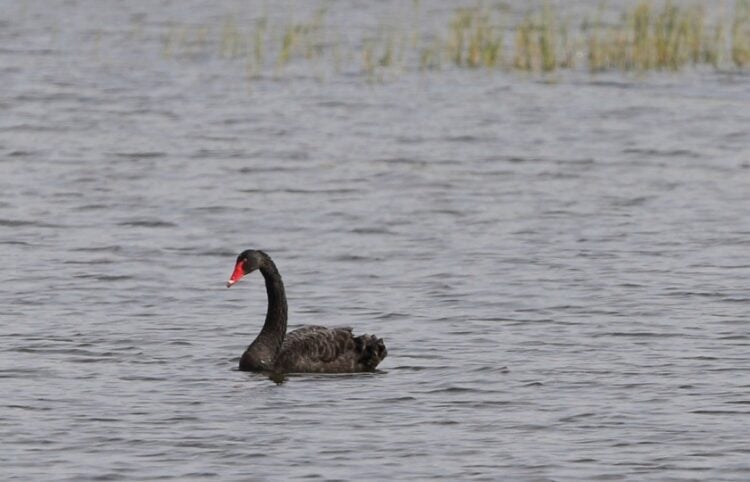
(559, 269)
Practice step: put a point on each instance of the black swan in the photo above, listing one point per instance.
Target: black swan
(308, 349)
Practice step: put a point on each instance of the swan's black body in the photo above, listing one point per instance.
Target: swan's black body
(307, 349)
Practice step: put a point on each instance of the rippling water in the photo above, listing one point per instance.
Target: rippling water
(560, 269)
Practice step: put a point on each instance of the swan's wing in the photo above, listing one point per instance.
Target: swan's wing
(333, 350)
(314, 330)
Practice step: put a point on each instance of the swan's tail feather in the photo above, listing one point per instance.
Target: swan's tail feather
(372, 350)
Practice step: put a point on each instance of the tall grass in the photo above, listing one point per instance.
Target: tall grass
(474, 41)
(649, 35)
(741, 34)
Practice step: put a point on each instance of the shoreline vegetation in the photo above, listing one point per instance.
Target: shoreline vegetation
(648, 35)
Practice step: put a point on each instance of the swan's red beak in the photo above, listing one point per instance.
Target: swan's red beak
(239, 272)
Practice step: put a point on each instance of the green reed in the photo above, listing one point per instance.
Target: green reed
(474, 41)
(667, 38)
(650, 35)
(741, 34)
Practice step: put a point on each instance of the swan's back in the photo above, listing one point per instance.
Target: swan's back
(329, 350)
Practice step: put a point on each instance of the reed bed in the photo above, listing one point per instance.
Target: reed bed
(647, 36)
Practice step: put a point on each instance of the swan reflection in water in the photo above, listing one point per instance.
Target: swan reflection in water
(281, 378)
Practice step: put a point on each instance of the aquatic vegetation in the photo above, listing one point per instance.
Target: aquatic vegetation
(645, 36)
(473, 40)
(741, 34)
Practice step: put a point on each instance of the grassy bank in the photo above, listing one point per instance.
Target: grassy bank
(647, 36)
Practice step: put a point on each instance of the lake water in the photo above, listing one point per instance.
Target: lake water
(559, 268)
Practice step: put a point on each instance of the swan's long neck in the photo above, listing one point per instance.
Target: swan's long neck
(274, 328)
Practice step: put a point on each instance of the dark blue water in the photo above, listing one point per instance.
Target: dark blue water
(559, 269)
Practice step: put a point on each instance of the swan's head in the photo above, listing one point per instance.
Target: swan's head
(247, 262)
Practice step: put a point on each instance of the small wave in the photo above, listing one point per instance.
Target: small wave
(405, 398)
(91, 207)
(720, 412)
(51, 349)
(17, 223)
(391, 316)
(89, 261)
(411, 368)
(410, 139)
(210, 209)
(141, 378)
(520, 160)
(610, 83)
(217, 253)
(637, 334)
(371, 231)
(458, 389)
(96, 249)
(21, 153)
(629, 202)
(105, 278)
(141, 155)
(735, 299)
(18, 372)
(576, 417)
(662, 153)
(402, 160)
(148, 223)
(255, 170)
(30, 408)
(353, 257)
(463, 138)
(491, 369)
(26, 127)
